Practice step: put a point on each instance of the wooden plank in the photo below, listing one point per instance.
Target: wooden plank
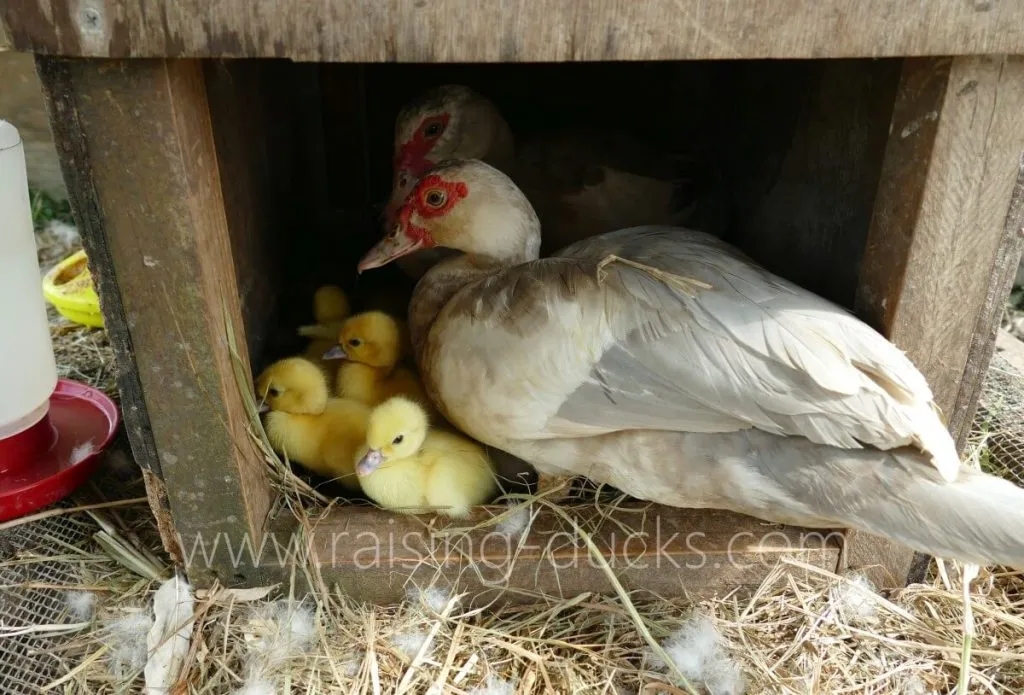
(915, 123)
(138, 151)
(343, 111)
(883, 562)
(76, 165)
(373, 555)
(293, 131)
(522, 30)
(944, 236)
(939, 225)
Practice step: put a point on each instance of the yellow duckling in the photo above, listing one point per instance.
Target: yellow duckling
(372, 343)
(406, 466)
(304, 424)
(330, 309)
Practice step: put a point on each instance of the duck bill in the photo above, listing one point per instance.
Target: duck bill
(335, 353)
(388, 249)
(264, 408)
(369, 463)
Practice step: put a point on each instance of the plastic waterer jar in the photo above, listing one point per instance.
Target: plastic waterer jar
(28, 373)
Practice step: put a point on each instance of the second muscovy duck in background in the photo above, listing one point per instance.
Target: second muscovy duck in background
(663, 362)
(581, 182)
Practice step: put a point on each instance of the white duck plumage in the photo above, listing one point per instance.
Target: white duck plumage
(663, 362)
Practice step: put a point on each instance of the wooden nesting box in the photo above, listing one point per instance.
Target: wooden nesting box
(212, 192)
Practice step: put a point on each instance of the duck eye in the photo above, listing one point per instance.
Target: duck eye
(435, 198)
(355, 342)
(432, 130)
(398, 439)
(274, 391)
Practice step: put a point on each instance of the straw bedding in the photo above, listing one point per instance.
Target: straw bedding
(804, 630)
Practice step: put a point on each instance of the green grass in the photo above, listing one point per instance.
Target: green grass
(45, 208)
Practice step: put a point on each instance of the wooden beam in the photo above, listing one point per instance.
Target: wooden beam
(944, 236)
(940, 230)
(138, 151)
(664, 551)
(521, 30)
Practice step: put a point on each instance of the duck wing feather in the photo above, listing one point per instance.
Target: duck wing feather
(681, 332)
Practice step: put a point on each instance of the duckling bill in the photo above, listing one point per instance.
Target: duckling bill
(335, 353)
(372, 345)
(406, 466)
(306, 425)
(370, 462)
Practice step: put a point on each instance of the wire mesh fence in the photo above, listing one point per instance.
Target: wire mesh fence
(999, 421)
(37, 567)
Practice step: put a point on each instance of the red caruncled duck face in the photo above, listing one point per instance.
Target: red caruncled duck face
(432, 199)
(443, 123)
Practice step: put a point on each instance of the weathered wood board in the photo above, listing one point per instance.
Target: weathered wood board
(806, 151)
(652, 549)
(515, 30)
(943, 236)
(138, 151)
(179, 190)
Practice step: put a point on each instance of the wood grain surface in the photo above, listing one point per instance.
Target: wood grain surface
(514, 30)
(939, 231)
(138, 151)
(655, 550)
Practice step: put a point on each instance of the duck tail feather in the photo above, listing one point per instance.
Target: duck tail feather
(900, 494)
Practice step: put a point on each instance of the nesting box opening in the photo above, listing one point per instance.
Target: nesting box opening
(797, 146)
(267, 182)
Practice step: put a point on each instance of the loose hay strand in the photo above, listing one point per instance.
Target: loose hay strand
(638, 620)
(281, 475)
(62, 511)
(688, 286)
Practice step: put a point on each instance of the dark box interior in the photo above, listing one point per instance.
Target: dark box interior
(800, 144)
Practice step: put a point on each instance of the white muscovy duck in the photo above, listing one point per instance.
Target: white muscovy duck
(580, 182)
(663, 362)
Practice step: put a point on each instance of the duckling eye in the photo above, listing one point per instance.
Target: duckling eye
(355, 342)
(398, 439)
(435, 198)
(274, 391)
(433, 130)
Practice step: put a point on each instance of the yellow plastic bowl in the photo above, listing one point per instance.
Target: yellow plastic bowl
(68, 286)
